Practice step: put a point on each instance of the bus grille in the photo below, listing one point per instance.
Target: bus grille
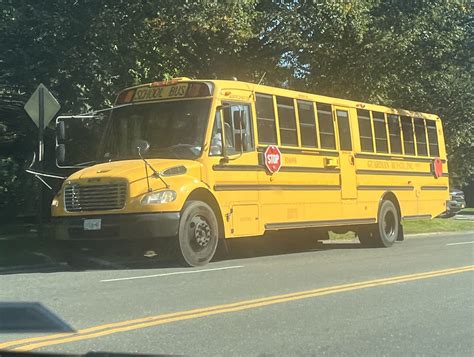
(78, 198)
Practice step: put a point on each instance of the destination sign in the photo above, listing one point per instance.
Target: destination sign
(164, 92)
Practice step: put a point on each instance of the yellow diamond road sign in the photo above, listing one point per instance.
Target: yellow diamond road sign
(51, 106)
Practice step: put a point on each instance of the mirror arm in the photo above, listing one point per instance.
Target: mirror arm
(224, 149)
(241, 135)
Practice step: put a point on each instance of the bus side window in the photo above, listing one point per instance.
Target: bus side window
(326, 126)
(307, 124)
(420, 137)
(408, 139)
(381, 142)
(432, 137)
(365, 130)
(265, 119)
(287, 121)
(344, 127)
(394, 133)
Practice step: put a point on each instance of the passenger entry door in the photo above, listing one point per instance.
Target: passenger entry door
(347, 166)
(235, 178)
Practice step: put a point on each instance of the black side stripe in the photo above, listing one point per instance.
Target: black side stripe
(225, 187)
(304, 169)
(400, 158)
(309, 169)
(238, 168)
(434, 188)
(307, 224)
(382, 188)
(301, 151)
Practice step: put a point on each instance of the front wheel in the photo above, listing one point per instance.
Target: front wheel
(198, 234)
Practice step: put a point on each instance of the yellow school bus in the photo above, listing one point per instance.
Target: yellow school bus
(193, 162)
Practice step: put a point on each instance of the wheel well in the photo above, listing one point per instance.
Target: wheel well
(390, 196)
(201, 194)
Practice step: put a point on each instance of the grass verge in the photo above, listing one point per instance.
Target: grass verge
(438, 225)
(428, 226)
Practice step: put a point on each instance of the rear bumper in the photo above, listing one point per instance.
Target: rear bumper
(120, 226)
(454, 206)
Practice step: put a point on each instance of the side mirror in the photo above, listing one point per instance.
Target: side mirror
(141, 146)
(61, 130)
(60, 154)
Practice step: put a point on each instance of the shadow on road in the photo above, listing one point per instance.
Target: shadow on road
(51, 261)
(248, 248)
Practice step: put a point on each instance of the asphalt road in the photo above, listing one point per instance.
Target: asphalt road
(415, 298)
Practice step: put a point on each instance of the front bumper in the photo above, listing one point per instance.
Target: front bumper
(119, 226)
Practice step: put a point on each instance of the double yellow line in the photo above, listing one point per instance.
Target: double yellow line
(29, 344)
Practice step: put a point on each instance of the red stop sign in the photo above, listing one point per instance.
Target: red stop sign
(272, 157)
(437, 167)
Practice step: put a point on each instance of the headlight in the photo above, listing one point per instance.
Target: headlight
(154, 198)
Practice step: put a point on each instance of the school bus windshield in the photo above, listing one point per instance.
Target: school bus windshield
(174, 129)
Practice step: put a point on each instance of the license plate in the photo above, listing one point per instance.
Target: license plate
(92, 224)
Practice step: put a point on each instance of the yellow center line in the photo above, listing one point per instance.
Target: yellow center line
(29, 344)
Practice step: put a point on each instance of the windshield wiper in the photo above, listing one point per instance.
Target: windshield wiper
(143, 145)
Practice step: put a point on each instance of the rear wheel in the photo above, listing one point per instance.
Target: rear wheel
(198, 234)
(386, 231)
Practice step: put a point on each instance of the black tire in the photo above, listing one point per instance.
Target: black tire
(198, 234)
(386, 231)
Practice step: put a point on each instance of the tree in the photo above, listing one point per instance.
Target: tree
(412, 55)
(415, 55)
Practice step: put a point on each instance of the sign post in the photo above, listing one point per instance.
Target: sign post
(42, 107)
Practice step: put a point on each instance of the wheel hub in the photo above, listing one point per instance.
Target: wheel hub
(202, 231)
(389, 224)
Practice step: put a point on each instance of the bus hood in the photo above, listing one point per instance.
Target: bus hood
(134, 170)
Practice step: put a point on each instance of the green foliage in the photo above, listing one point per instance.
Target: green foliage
(416, 55)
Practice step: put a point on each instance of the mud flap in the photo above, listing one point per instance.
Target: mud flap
(401, 236)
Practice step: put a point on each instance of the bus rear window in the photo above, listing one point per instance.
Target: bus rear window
(365, 130)
(265, 119)
(408, 140)
(326, 126)
(432, 137)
